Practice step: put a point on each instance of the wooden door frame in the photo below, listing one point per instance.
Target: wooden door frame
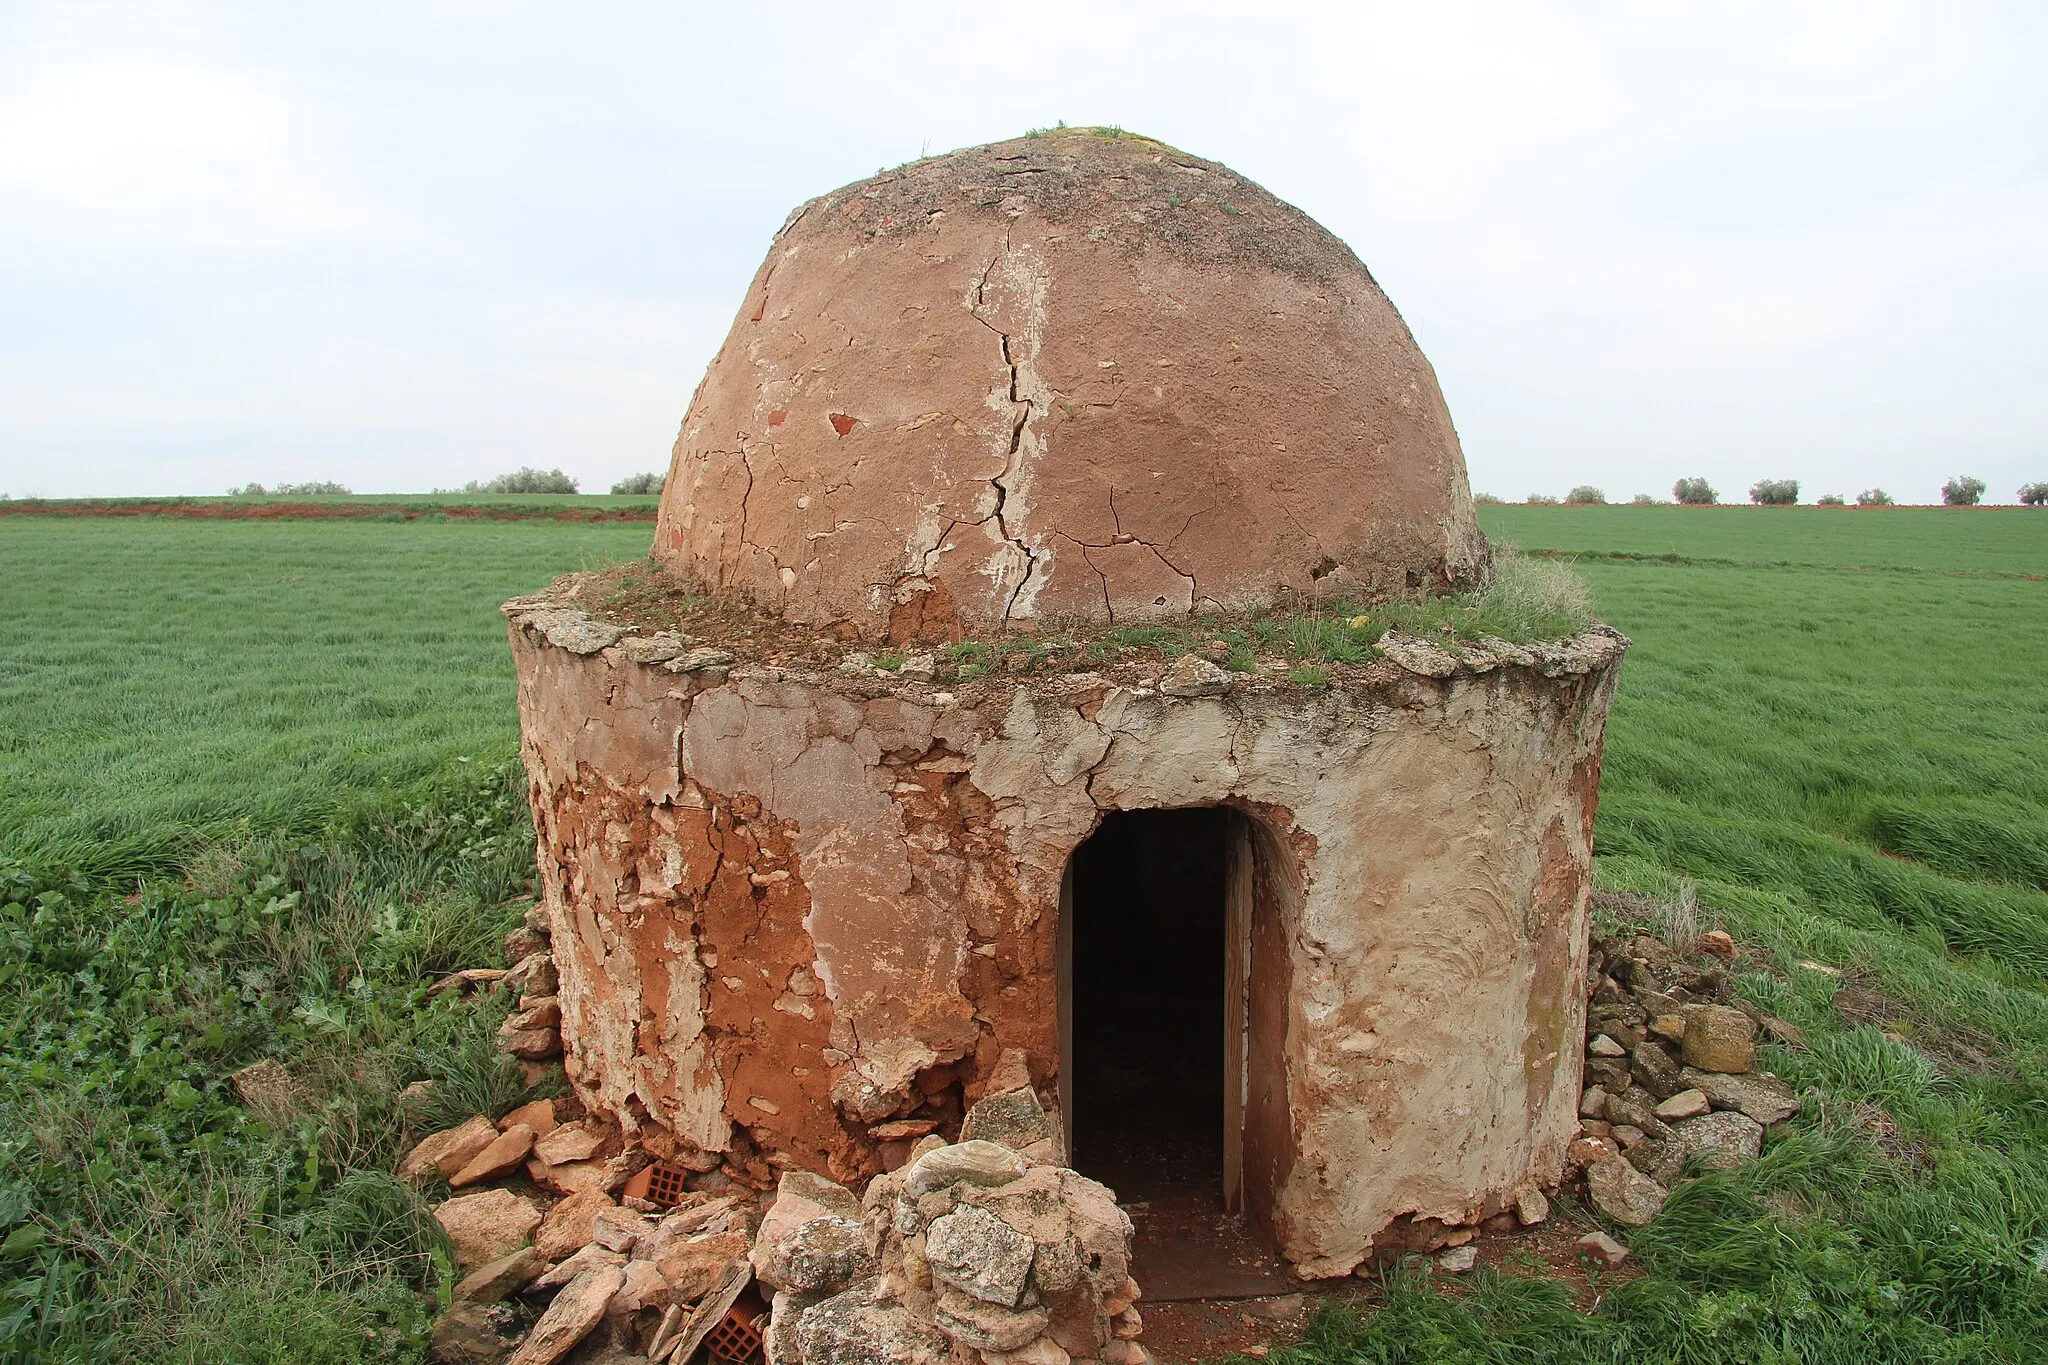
(1239, 883)
(1063, 953)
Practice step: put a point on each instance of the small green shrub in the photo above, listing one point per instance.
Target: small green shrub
(1329, 640)
(1540, 500)
(1694, 493)
(1831, 500)
(648, 482)
(1873, 497)
(316, 488)
(524, 479)
(1488, 499)
(1585, 495)
(471, 1073)
(1642, 500)
(369, 1225)
(1532, 599)
(1774, 492)
(1962, 491)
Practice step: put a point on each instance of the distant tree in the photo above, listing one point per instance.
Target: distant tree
(1585, 495)
(2033, 494)
(1774, 492)
(1540, 500)
(312, 489)
(1831, 500)
(524, 479)
(1488, 499)
(1694, 492)
(649, 482)
(1962, 491)
(1642, 500)
(1873, 497)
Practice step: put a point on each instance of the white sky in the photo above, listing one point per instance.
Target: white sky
(402, 243)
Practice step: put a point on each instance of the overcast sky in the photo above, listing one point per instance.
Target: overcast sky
(403, 245)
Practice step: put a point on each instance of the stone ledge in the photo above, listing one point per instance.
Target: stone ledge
(575, 630)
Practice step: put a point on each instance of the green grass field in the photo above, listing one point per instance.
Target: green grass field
(235, 824)
(164, 676)
(1996, 540)
(540, 505)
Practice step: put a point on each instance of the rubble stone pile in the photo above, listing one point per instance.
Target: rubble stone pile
(987, 1249)
(1670, 1078)
(533, 1031)
(972, 1251)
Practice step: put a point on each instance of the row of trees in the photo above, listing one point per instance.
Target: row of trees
(314, 489)
(525, 479)
(1962, 491)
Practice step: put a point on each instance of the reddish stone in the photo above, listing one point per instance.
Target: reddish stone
(502, 1155)
(448, 1151)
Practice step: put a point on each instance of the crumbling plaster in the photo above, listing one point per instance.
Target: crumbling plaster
(785, 911)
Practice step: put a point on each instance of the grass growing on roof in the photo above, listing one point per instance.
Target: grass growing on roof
(1529, 600)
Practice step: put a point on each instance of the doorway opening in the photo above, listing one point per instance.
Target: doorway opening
(1148, 924)
(1155, 945)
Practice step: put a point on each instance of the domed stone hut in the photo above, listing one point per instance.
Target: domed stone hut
(868, 788)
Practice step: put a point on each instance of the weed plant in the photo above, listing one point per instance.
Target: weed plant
(146, 1211)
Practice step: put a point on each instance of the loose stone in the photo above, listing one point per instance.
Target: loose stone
(487, 1225)
(505, 1153)
(703, 659)
(1719, 942)
(1623, 1193)
(1719, 1038)
(1653, 1069)
(1599, 1244)
(1190, 676)
(1685, 1104)
(1724, 1140)
(448, 1151)
(570, 1317)
(502, 1278)
(1764, 1098)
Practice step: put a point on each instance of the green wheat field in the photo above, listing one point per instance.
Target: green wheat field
(257, 789)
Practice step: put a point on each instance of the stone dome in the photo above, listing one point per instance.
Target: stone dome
(1077, 376)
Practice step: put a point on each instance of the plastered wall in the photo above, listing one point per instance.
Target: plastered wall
(787, 914)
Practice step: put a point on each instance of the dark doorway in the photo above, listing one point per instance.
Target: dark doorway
(1154, 1032)
(1148, 917)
